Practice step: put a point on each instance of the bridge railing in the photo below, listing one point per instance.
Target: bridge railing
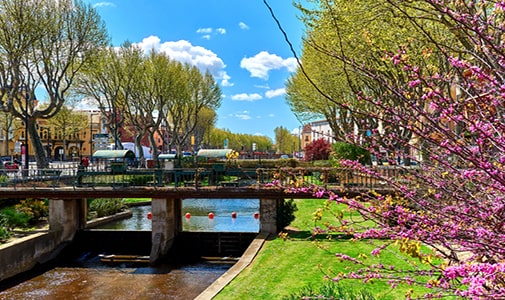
(197, 177)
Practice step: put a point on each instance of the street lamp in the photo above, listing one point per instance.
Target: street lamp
(91, 134)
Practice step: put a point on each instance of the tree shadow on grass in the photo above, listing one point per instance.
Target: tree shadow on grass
(295, 234)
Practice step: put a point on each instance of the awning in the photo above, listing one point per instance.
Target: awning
(114, 154)
(167, 156)
(214, 153)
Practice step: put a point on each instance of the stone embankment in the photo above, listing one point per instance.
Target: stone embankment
(21, 254)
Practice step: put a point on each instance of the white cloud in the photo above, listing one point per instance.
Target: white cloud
(225, 80)
(104, 4)
(244, 115)
(243, 26)
(263, 62)
(207, 32)
(271, 115)
(246, 97)
(183, 51)
(275, 93)
(204, 30)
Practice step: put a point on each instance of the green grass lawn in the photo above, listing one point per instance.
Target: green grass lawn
(285, 266)
(136, 200)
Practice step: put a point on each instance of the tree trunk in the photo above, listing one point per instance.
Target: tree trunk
(138, 145)
(36, 144)
(154, 148)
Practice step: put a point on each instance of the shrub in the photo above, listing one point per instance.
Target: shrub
(318, 150)
(35, 208)
(5, 234)
(343, 150)
(140, 179)
(14, 218)
(105, 207)
(286, 213)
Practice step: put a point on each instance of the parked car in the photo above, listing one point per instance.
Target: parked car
(11, 165)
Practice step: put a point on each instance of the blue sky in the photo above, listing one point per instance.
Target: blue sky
(238, 41)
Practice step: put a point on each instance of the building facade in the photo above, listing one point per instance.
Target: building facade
(58, 144)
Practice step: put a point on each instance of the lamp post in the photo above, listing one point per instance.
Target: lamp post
(91, 134)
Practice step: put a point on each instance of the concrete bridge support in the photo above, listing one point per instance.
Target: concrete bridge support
(66, 217)
(268, 215)
(166, 214)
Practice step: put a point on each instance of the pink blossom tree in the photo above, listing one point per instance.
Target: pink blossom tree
(435, 93)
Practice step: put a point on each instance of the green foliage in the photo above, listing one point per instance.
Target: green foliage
(35, 208)
(286, 213)
(343, 150)
(140, 179)
(14, 218)
(322, 164)
(4, 230)
(237, 141)
(285, 142)
(329, 290)
(4, 179)
(187, 162)
(105, 207)
(288, 162)
(23, 214)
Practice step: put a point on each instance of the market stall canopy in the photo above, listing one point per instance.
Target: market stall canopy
(114, 154)
(167, 156)
(214, 153)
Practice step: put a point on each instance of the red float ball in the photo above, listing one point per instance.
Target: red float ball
(211, 215)
(256, 215)
(188, 215)
(234, 215)
(149, 215)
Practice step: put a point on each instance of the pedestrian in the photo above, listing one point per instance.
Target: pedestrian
(85, 162)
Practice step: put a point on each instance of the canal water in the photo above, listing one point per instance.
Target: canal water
(229, 215)
(86, 277)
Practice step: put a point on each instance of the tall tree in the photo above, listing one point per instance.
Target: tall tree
(44, 44)
(438, 78)
(102, 80)
(201, 92)
(205, 122)
(285, 142)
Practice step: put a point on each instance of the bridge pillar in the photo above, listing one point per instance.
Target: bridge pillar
(67, 216)
(268, 215)
(165, 214)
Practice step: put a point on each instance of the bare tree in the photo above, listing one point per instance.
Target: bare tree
(43, 45)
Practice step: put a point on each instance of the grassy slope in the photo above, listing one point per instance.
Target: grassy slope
(283, 267)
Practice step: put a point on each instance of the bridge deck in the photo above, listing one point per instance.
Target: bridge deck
(165, 192)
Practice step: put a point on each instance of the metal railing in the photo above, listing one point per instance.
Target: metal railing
(96, 176)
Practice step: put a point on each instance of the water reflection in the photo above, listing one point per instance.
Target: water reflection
(198, 210)
(138, 220)
(222, 210)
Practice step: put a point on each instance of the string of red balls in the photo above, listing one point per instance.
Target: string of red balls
(210, 215)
